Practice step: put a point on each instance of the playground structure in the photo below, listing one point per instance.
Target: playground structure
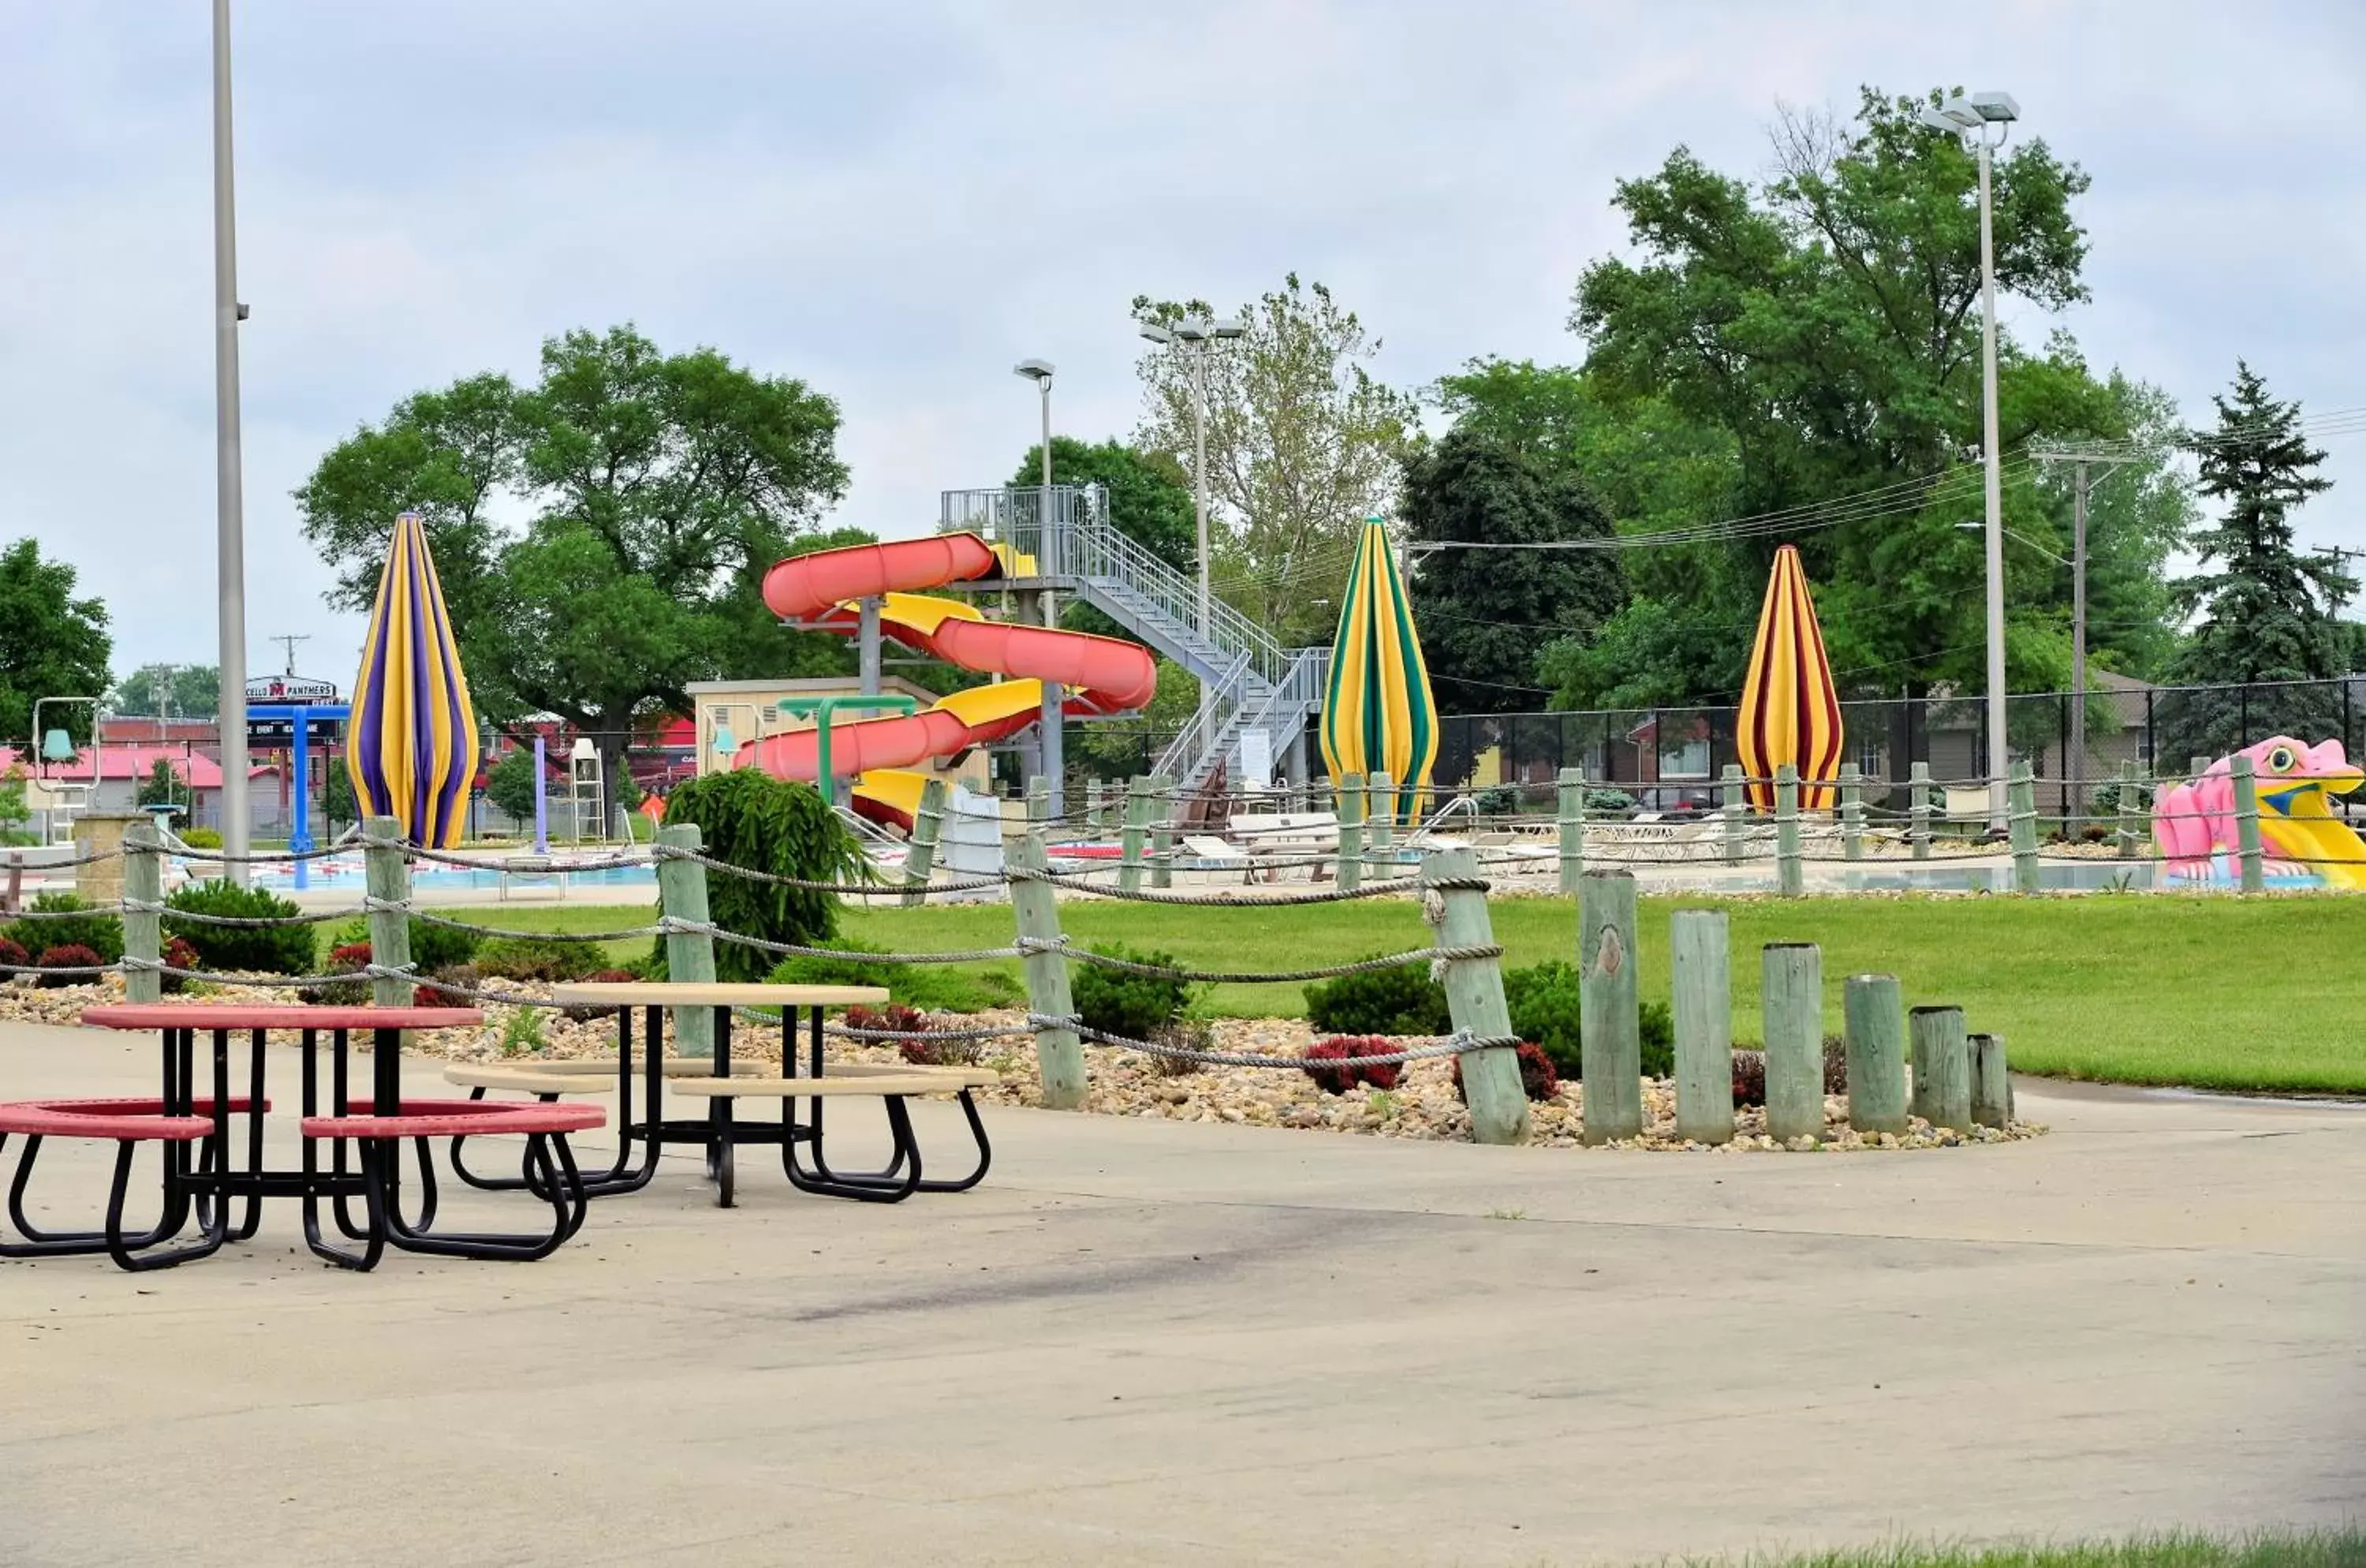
(2200, 824)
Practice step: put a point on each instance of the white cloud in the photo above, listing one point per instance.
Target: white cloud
(896, 203)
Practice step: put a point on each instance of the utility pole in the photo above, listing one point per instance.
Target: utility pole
(2082, 457)
(288, 640)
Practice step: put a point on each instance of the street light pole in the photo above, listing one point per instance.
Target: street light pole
(229, 543)
(1051, 556)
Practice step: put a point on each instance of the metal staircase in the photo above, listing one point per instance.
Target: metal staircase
(1252, 683)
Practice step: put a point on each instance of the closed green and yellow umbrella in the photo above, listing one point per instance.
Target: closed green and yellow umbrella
(411, 747)
(1377, 714)
(1790, 709)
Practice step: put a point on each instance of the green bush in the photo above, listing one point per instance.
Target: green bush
(2105, 800)
(102, 934)
(201, 837)
(1499, 800)
(431, 947)
(1136, 1007)
(262, 950)
(1544, 1003)
(1402, 1001)
(1600, 799)
(754, 821)
(930, 987)
(542, 959)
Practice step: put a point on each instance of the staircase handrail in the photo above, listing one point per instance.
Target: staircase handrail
(1221, 695)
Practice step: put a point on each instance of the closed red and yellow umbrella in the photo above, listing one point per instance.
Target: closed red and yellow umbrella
(1790, 709)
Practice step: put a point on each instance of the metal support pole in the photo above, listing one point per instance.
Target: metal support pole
(866, 646)
(1994, 487)
(2075, 773)
(1054, 727)
(229, 504)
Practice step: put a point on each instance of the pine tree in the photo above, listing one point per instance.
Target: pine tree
(2268, 609)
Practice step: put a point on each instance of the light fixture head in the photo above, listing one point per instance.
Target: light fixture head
(1937, 121)
(1036, 370)
(1228, 326)
(1995, 107)
(1156, 333)
(1961, 111)
(1192, 329)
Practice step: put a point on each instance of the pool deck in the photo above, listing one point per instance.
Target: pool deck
(1151, 1342)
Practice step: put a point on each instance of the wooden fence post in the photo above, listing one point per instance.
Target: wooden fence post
(1038, 800)
(1164, 809)
(1351, 832)
(1096, 807)
(1918, 830)
(1571, 792)
(1730, 805)
(1790, 872)
(689, 955)
(2020, 794)
(1851, 812)
(1380, 826)
(1991, 1090)
(2246, 822)
(143, 930)
(1942, 1067)
(1134, 834)
(1059, 1052)
(1875, 1010)
(2130, 833)
(389, 883)
(921, 854)
(1609, 1023)
(1792, 996)
(1700, 974)
(1474, 996)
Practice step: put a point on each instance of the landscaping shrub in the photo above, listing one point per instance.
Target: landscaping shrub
(450, 985)
(1402, 1001)
(932, 987)
(1188, 1034)
(584, 1012)
(754, 821)
(931, 1050)
(1835, 1063)
(263, 950)
(1339, 1080)
(1748, 1076)
(541, 959)
(1544, 1003)
(345, 959)
(13, 955)
(68, 956)
(102, 933)
(201, 837)
(1135, 1007)
(1612, 801)
(2105, 799)
(1499, 800)
(431, 947)
(178, 955)
(1537, 1079)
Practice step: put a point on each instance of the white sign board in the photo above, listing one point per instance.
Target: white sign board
(1256, 760)
(291, 689)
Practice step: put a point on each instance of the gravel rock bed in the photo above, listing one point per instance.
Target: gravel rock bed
(1124, 1083)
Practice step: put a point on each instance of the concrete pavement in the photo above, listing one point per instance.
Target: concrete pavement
(1145, 1342)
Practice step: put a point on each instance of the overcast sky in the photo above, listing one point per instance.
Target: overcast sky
(896, 202)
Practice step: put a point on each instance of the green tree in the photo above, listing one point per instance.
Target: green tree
(51, 644)
(1149, 492)
(338, 804)
(187, 690)
(2268, 609)
(1303, 446)
(1484, 613)
(509, 784)
(656, 488)
(1825, 323)
(162, 786)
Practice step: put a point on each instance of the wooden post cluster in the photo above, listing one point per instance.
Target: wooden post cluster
(1731, 804)
(1700, 977)
(143, 930)
(1162, 831)
(689, 955)
(1790, 870)
(1609, 1019)
(1851, 812)
(1874, 1009)
(387, 878)
(2253, 868)
(1571, 793)
(1351, 832)
(1942, 1067)
(928, 831)
(2131, 829)
(1918, 828)
(1791, 994)
(2020, 804)
(1991, 1090)
(1135, 833)
(1059, 1052)
(1474, 996)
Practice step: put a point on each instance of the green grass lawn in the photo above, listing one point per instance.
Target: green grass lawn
(2214, 993)
(2268, 1549)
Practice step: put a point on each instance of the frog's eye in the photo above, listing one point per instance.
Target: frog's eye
(2280, 759)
